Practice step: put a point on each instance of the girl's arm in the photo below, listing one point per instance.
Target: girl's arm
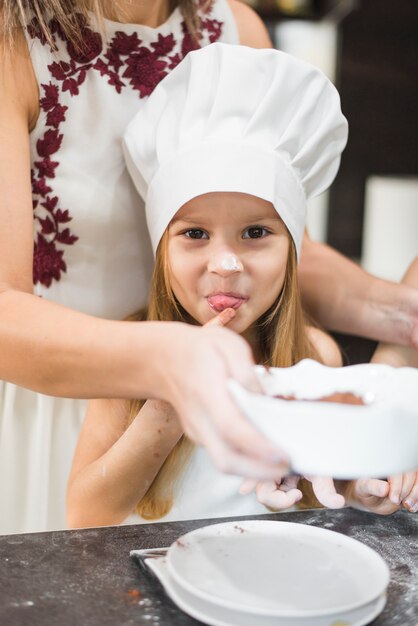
(112, 468)
(57, 351)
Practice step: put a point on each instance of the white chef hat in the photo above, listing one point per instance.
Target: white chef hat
(236, 119)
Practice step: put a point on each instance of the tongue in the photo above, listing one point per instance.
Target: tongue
(220, 303)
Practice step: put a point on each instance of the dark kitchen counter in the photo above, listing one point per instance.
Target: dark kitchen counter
(86, 577)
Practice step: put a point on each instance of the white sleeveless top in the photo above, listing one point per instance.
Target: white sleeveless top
(92, 251)
(204, 492)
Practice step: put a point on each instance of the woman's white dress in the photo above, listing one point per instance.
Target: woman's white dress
(91, 248)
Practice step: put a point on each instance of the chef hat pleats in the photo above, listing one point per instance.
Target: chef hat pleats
(232, 118)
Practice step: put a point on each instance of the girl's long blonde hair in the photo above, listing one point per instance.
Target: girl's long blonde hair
(283, 341)
(16, 14)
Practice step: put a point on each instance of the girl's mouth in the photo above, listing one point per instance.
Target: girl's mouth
(220, 301)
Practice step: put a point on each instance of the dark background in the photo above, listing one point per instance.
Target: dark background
(378, 83)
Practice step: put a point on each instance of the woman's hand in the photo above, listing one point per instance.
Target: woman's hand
(198, 363)
(162, 407)
(385, 496)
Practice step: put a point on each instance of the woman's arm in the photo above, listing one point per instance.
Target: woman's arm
(341, 296)
(54, 350)
(113, 469)
(400, 356)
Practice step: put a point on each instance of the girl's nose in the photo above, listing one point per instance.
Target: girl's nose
(224, 264)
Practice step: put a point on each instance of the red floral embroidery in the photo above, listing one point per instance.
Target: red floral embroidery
(144, 71)
(47, 262)
(214, 28)
(48, 259)
(126, 62)
(90, 50)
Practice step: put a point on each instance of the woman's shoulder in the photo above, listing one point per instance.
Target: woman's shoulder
(251, 28)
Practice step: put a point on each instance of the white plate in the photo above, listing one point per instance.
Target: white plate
(277, 569)
(378, 439)
(215, 615)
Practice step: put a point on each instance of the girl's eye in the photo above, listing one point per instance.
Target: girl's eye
(196, 233)
(255, 232)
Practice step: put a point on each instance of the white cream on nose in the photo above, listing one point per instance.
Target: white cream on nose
(230, 263)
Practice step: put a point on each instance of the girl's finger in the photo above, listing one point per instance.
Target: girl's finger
(395, 489)
(270, 495)
(372, 488)
(408, 481)
(411, 501)
(325, 491)
(223, 318)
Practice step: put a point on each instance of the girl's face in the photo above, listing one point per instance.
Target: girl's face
(227, 250)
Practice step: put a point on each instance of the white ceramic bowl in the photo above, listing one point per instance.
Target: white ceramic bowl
(378, 439)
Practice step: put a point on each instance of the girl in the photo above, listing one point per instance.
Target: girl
(224, 151)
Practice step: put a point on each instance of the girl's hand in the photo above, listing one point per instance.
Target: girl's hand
(385, 496)
(282, 494)
(275, 494)
(407, 486)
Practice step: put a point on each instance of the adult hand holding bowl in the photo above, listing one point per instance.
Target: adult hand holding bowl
(376, 438)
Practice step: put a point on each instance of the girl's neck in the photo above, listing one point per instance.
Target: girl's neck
(150, 13)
